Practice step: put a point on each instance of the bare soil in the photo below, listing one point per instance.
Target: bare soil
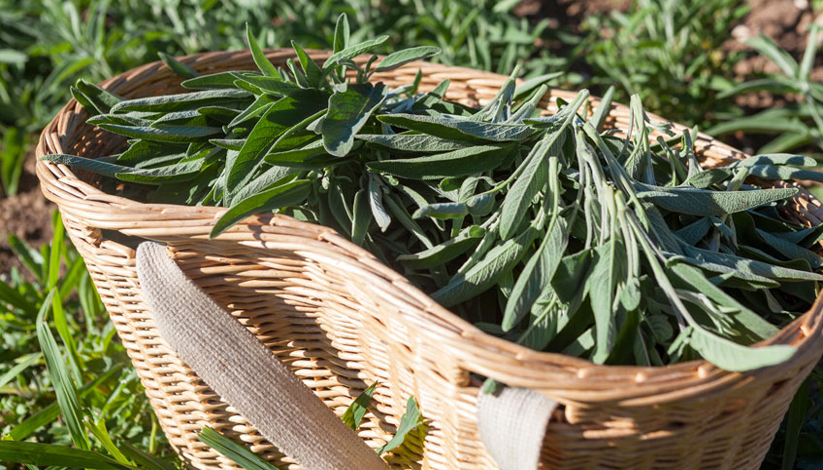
(26, 215)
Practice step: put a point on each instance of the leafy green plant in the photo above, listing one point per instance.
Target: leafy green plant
(12, 156)
(796, 124)
(669, 52)
(540, 229)
(87, 395)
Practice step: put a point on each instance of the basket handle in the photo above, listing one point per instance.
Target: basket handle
(242, 370)
(512, 424)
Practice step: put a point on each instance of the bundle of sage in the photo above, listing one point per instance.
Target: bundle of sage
(543, 230)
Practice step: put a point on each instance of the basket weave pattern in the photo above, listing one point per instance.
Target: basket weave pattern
(341, 321)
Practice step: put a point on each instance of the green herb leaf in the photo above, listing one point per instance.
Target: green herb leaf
(441, 254)
(483, 275)
(704, 202)
(531, 181)
(259, 56)
(211, 81)
(349, 109)
(735, 357)
(458, 128)
(355, 412)
(411, 420)
(412, 142)
(181, 102)
(177, 67)
(287, 194)
(461, 162)
(353, 51)
(280, 117)
(536, 276)
(400, 58)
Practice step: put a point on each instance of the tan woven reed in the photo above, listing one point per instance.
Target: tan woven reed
(342, 321)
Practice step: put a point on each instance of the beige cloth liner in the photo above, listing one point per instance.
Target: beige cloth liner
(512, 425)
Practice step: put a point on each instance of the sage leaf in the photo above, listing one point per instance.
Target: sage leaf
(287, 194)
(267, 84)
(602, 283)
(457, 128)
(536, 275)
(704, 202)
(260, 59)
(735, 357)
(520, 195)
(353, 51)
(341, 33)
(403, 57)
(784, 173)
(171, 134)
(281, 116)
(382, 217)
(412, 142)
(790, 250)
(442, 210)
(461, 162)
(743, 266)
(210, 81)
(441, 254)
(93, 97)
(349, 109)
(181, 102)
(362, 217)
(177, 67)
(310, 67)
(777, 159)
(486, 272)
(689, 276)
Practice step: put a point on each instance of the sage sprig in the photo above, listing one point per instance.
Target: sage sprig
(543, 230)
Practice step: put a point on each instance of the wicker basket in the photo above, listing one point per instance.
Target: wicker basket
(341, 321)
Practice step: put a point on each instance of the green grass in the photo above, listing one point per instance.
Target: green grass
(65, 379)
(668, 53)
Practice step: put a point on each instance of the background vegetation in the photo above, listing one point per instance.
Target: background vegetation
(77, 388)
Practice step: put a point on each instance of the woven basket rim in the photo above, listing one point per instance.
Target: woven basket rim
(67, 190)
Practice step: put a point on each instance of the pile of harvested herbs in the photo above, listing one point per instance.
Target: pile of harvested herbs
(543, 230)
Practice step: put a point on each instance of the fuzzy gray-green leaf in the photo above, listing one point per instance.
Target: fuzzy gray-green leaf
(457, 128)
(704, 202)
(349, 110)
(461, 162)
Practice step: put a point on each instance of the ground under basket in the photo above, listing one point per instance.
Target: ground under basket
(341, 321)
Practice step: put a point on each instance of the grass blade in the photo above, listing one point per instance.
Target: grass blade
(60, 456)
(63, 386)
(26, 362)
(243, 457)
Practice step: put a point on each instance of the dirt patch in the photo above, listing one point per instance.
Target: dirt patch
(787, 22)
(26, 215)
